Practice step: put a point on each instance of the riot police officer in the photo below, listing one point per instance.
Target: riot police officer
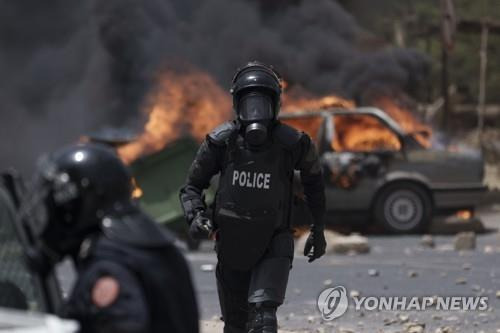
(131, 277)
(256, 156)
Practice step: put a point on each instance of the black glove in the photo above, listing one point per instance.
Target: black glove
(315, 244)
(201, 227)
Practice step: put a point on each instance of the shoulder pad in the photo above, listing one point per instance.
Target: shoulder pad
(221, 133)
(137, 230)
(287, 135)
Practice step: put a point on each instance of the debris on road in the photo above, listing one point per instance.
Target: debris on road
(341, 244)
(403, 318)
(465, 241)
(390, 321)
(414, 328)
(445, 247)
(488, 249)
(476, 288)
(445, 329)
(345, 330)
(427, 241)
(412, 274)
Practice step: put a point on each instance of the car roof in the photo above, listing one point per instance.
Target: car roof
(367, 110)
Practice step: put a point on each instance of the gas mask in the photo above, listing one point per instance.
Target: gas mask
(255, 112)
(46, 230)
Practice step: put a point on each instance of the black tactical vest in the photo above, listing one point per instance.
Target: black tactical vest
(159, 267)
(253, 198)
(167, 286)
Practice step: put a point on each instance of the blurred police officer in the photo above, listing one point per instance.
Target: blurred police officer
(131, 278)
(256, 156)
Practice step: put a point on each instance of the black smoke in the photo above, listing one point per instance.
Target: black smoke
(68, 68)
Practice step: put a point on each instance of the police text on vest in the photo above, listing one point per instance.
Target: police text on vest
(251, 179)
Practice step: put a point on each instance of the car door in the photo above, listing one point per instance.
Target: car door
(361, 148)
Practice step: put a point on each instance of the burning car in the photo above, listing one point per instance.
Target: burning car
(375, 168)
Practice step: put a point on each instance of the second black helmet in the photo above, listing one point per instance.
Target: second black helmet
(74, 189)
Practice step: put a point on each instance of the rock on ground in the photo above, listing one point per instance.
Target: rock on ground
(427, 241)
(465, 241)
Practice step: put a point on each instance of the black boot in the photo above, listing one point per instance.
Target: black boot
(262, 319)
(232, 329)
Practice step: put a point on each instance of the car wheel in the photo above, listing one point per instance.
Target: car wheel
(403, 208)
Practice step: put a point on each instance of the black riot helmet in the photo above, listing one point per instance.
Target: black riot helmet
(73, 191)
(256, 90)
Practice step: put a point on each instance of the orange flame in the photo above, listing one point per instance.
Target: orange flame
(292, 103)
(309, 125)
(464, 214)
(193, 103)
(136, 190)
(405, 119)
(184, 103)
(363, 133)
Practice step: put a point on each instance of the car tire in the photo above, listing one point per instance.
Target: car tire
(403, 208)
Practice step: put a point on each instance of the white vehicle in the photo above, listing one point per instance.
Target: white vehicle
(16, 321)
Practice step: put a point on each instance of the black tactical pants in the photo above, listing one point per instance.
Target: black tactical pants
(265, 283)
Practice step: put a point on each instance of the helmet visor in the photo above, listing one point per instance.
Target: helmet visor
(255, 106)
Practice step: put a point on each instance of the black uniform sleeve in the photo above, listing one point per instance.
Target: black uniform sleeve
(129, 313)
(206, 164)
(311, 175)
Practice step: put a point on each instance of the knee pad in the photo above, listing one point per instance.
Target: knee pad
(262, 318)
(269, 280)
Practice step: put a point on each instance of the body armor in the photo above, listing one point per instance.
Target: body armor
(167, 294)
(253, 197)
